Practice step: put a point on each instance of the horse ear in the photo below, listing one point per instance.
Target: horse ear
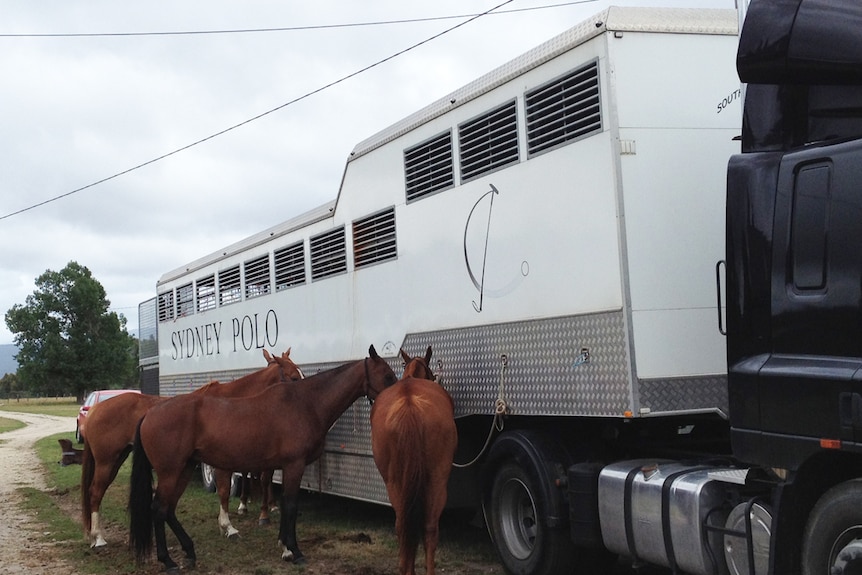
(428, 354)
(286, 354)
(404, 356)
(373, 352)
(267, 356)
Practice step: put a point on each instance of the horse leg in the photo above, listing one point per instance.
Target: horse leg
(185, 541)
(222, 479)
(160, 513)
(103, 476)
(265, 497)
(97, 492)
(291, 478)
(164, 506)
(432, 533)
(244, 494)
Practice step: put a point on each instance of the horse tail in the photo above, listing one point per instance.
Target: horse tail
(88, 471)
(141, 500)
(409, 431)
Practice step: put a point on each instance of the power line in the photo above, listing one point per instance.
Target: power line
(290, 28)
(263, 114)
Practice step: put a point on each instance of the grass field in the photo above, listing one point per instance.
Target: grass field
(61, 406)
(7, 424)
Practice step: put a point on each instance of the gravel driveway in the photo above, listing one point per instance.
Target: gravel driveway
(21, 550)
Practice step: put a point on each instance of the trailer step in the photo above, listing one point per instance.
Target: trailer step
(736, 476)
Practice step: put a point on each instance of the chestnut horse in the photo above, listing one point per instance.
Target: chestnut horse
(112, 424)
(282, 427)
(413, 438)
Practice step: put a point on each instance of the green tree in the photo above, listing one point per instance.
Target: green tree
(9, 385)
(69, 343)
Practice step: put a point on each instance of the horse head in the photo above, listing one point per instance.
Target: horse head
(378, 374)
(418, 367)
(289, 370)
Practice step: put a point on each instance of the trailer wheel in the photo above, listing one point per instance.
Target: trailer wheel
(208, 478)
(832, 544)
(525, 544)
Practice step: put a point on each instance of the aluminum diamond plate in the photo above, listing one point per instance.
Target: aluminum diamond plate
(534, 365)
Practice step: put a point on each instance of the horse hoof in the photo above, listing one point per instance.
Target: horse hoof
(263, 521)
(175, 570)
(299, 560)
(233, 536)
(287, 555)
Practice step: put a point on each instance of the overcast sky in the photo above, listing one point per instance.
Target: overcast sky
(86, 96)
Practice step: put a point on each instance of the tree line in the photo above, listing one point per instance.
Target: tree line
(69, 343)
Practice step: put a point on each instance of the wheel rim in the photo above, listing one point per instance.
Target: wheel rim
(845, 557)
(518, 518)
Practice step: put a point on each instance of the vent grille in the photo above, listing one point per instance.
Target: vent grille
(563, 110)
(428, 167)
(289, 266)
(148, 331)
(185, 300)
(488, 142)
(229, 290)
(257, 277)
(206, 293)
(166, 306)
(374, 239)
(328, 254)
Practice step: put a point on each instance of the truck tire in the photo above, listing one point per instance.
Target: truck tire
(520, 500)
(832, 543)
(78, 437)
(525, 544)
(208, 478)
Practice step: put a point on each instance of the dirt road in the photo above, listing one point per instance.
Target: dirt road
(20, 548)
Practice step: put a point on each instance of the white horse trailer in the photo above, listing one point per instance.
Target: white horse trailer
(550, 229)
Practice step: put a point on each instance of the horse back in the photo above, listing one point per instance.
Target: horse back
(413, 417)
(115, 421)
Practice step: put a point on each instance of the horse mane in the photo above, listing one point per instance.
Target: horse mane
(207, 386)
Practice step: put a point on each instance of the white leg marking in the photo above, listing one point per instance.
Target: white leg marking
(97, 538)
(224, 524)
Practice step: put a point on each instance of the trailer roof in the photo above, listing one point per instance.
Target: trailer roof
(614, 19)
(295, 223)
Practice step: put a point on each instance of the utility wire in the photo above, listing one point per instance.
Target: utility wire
(290, 28)
(257, 117)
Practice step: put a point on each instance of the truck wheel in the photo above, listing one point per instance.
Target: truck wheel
(208, 478)
(832, 544)
(78, 437)
(525, 544)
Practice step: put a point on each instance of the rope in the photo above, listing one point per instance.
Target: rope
(501, 409)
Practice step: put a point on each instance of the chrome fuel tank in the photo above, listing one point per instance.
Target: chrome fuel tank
(655, 510)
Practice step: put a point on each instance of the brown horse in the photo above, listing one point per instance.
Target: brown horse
(111, 426)
(413, 438)
(282, 427)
